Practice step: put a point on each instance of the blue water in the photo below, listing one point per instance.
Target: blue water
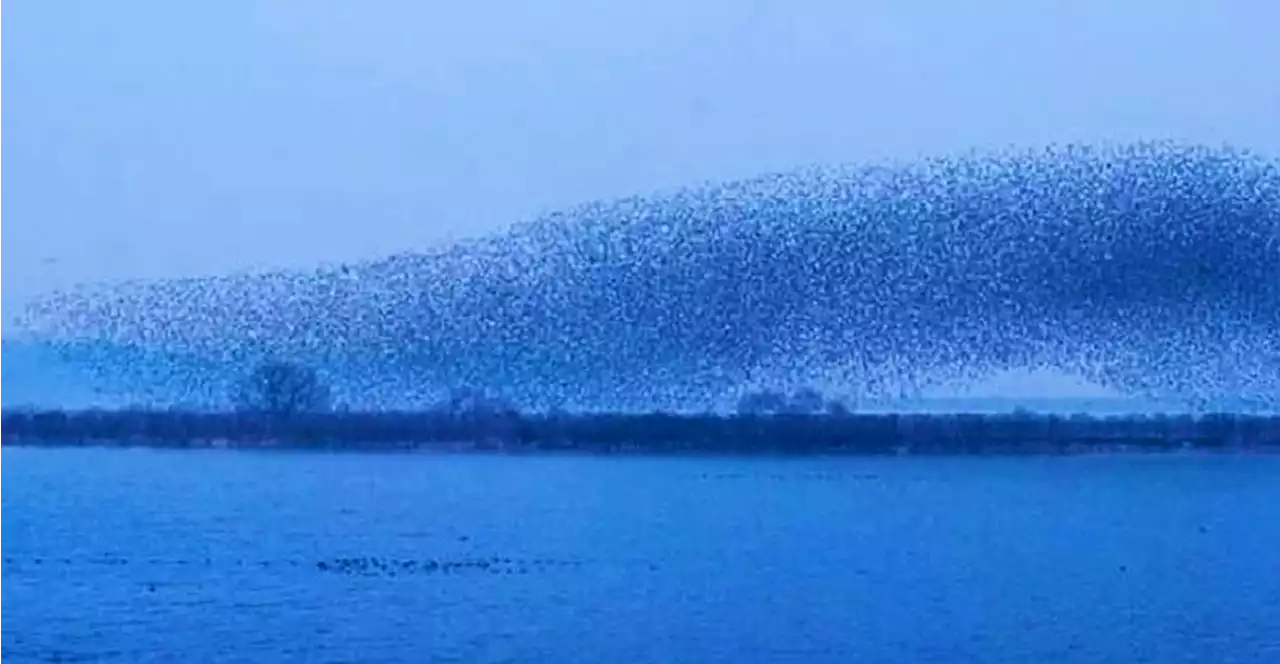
(133, 555)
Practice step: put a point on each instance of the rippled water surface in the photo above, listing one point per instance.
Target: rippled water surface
(132, 555)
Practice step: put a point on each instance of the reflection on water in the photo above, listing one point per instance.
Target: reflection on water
(125, 555)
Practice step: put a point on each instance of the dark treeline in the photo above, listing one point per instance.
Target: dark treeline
(287, 405)
(888, 433)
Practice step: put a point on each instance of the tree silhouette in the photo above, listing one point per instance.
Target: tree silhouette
(284, 388)
(472, 402)
(766, 402)
(806, 401)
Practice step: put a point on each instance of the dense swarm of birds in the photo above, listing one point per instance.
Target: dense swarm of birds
(1151, 268)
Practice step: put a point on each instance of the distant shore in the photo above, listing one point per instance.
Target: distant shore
(657, 433)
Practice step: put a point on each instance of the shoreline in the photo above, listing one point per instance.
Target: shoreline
(656, 434)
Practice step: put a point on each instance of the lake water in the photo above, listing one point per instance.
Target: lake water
(141, 555)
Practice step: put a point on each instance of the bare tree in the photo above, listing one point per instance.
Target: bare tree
(766, 402)
(806, 401)
(472, 402)
(284, 388)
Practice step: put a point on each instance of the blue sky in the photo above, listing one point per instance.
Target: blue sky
(158, 138)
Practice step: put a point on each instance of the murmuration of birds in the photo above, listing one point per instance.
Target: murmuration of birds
(1150, 268)
(370, 566)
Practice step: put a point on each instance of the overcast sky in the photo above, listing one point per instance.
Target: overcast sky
(163, 138)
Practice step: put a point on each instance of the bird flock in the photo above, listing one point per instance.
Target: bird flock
(349, 565)
(1150, 268)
